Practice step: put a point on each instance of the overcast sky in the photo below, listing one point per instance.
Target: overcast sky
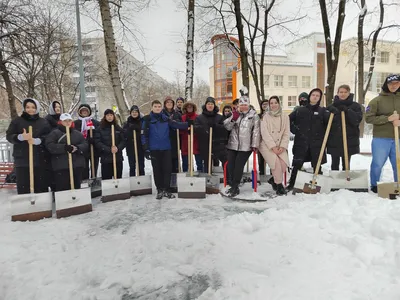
(163, 27)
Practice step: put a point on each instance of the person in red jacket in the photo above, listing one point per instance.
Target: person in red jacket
(189, 110)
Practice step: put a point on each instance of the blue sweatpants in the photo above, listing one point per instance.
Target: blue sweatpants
(382, 149)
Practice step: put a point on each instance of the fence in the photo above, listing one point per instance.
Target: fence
(6, 151)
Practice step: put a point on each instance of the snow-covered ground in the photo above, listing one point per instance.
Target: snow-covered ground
(338, 246)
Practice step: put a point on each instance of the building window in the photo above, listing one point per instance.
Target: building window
(292, 101)
(383, 57)
(90, 89)
(306, 81)
(367, 55)
(292, 81)
(266, 80)
(398, 58)
(278, 80)
(280, 99)
(321, 45)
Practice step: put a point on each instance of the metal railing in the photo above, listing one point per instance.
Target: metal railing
(6, 151)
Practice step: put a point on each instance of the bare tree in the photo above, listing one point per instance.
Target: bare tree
(190, 52)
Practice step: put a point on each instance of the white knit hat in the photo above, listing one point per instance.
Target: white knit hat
(244, 100)
(65, 117)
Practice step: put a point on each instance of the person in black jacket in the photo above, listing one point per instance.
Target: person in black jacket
(18, 135)
(353, 113)
(202, 124)
(172, 114)
(308, 124)
(55, 112)
(56, 144)
(134, 123)
(227, 111)
(103, 142)
(83, 124)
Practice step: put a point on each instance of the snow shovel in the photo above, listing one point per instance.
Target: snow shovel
(173, 183)
(314, 183)
(72, 202)
(140, 185)
(31, 207)
(94, 182)
(191, 187)
(391, 190)
(115, 189)
(254, 172)
(356, 181)
(213, 181)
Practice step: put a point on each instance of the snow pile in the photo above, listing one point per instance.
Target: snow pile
(340, 246)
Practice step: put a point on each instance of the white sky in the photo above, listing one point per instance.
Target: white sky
(163, 27)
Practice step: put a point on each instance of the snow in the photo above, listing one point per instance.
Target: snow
(339, 246)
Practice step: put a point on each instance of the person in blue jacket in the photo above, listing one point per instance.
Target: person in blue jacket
(157, 146)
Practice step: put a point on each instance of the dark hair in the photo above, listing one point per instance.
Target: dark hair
(104, 122)
(155, 102)
(235, 102)
(274, 97)
(344, 86)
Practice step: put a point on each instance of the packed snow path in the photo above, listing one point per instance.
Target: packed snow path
(340, 246)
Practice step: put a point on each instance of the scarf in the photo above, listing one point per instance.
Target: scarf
(275, 113)
(86, 125)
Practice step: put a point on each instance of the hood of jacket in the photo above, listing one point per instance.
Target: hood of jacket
(52, 107)
(87, 106)
(186, 104)
(315, 106)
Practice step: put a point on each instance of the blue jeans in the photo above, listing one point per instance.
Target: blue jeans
(382, 148)
(199, 163)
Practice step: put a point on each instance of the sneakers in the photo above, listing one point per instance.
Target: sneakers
(280, 190)
(233, 192)
(168, 194)
(159, 194)
(272, 182)
(374, 189)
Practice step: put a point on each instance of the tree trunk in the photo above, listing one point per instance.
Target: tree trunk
(112, 58)
(332, 52)
(360, 65)
(9, 89)
(243, 51)
(190, 53)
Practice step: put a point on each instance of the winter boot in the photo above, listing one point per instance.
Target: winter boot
(160, 194)
(272, 182)
(233, 192)
(168, 194)
(374, 189)
(292, 179)
(280, 190)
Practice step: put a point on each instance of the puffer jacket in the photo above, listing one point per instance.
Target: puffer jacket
(245, 132)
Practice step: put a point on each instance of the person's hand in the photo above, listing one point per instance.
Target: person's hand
(393, 117)
(235, 115)
(254, 149)
(280, 150)
(343, 108)
(147, 155)
(332, 109)
(70, 148)
(275, 150)
(396, 123)
(27, 136)
(114, 149)
(190, 122)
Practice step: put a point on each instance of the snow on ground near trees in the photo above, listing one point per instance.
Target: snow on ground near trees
(338, 246)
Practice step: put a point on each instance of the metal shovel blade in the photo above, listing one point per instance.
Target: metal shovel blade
(31, 207)
(212, 183)
(388, 190)
(115, 189)
(73, 202)
(358, 180)
(304, 180)
(218, 169)
(191, 187)
(141, 185)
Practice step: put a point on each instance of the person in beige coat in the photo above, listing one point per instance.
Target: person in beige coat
(275, 132)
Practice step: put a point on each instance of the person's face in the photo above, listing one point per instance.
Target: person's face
(66, 123)
(134, 114)
(393, 86)
(179, 103)
(189, 108)
(227, 111)
(244, 108)
(273, 105)
(109, 118)
(84, 112)
(57, 108)
(169, 104)
(264, 106)
(343, 94)
(314, 98)
(210, 106)
(156, 108)
(30, 109)
(234, 106)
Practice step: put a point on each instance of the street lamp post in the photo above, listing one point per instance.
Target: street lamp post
(80, 58)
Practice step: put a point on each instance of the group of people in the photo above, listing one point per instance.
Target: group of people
(162, 137)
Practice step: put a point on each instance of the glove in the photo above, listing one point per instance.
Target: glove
(90, 140)
(69, 148)
(235, 116)
(343, 108)
(332, 109)
(190, 122)
(147, 155)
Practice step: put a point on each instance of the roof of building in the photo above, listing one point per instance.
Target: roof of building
(305, 37)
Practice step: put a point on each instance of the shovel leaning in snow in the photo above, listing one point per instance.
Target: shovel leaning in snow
(391, 190)
(31, 207)
(212, 181)
(72, 202)
(94, 182)
(191, 187)
(174, 182)
(314, 183)
(356, 181)
(115, 189)
(140, 184)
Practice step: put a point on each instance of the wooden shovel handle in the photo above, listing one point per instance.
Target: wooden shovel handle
(31, 177)
(71, 170)
(209, 151)
(92, 154)
(179, 147)
(114, 156)
(191, 150)
(396, 139)
(345, 149)
(136, 154)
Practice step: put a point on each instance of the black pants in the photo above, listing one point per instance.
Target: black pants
(132, 164)
(88, 166)
(107, 170)
(62, 181)
(261, 164)
(220, 156)
(162, 168)
(236, 163)
(41, 180)
(174, 165)
(297, 164)
(336, 162)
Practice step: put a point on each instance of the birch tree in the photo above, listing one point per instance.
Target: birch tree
(190, 53)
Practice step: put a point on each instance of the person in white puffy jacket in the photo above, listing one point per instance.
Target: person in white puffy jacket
(244, 127)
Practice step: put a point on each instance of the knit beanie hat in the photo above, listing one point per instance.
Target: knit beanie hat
(244, 100)
(108, 112)
(134, 108)
(210, 100)
(303, 95)
(180, 98)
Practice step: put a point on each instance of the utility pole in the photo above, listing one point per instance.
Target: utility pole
(80, 57)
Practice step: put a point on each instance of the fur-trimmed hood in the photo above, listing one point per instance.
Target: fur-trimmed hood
(186, 104)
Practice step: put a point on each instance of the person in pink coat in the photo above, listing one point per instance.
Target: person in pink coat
(275, 132)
